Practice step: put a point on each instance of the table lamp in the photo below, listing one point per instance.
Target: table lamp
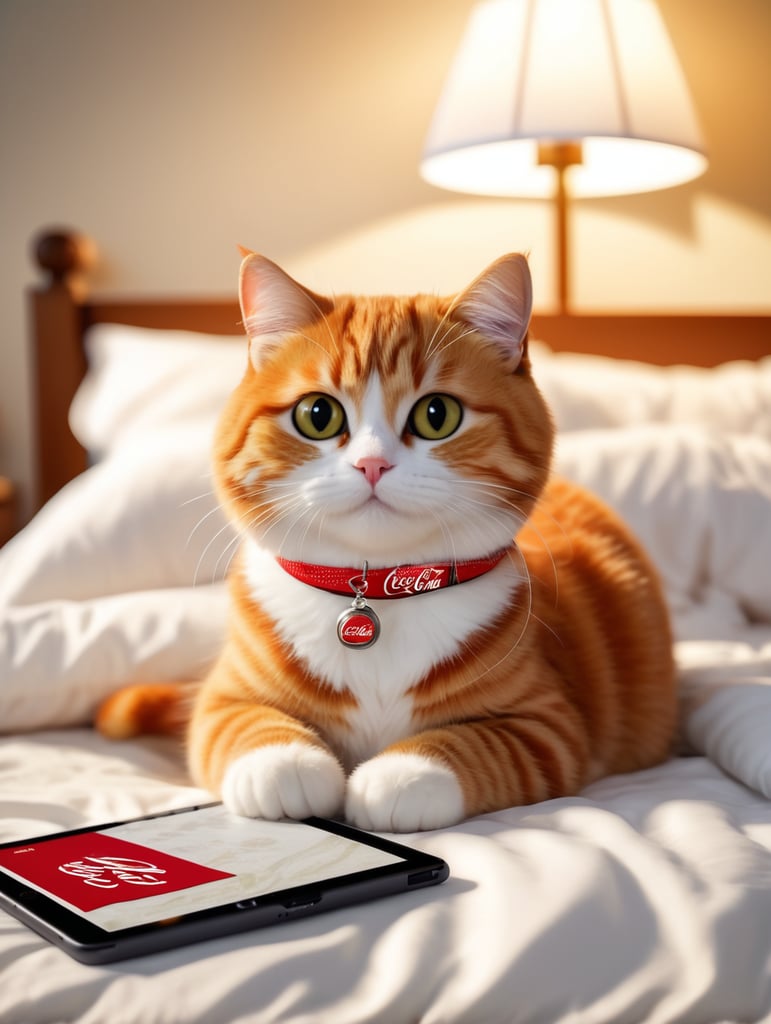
(563, 98)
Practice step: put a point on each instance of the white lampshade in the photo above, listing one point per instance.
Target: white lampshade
(599, 72)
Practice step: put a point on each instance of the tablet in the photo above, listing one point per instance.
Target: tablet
(134, 887)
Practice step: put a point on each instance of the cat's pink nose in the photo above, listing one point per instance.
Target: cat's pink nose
(373, 468)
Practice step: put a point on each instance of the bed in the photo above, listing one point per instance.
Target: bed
(647, 898)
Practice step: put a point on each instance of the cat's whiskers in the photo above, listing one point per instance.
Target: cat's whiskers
(256, 517)
(492, 485)
(316, 516)
(523, 577)
(215, 510)
(231, 547)
(277, 511)
(206, 495)
(212, 540)
(294, 510)
(443, 343)
(446, 533)
(323, 316)
(437, 329)
(499, 509)
(202, 557)
(465, 506)
(438, 341)
(523, 518)
(313, 341)
(500, 499)
(511, 520)
(197, 497)
(267, 513)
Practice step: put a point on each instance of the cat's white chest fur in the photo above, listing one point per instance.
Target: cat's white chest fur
(416, 633)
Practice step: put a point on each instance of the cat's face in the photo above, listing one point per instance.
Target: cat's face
(386, 429)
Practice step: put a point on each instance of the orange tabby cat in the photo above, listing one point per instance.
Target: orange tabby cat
(393, 654)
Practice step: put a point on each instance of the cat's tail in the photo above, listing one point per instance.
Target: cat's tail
(142, 709)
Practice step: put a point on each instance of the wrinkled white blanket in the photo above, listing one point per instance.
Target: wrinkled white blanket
(646, 899)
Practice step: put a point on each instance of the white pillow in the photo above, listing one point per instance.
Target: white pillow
(144, 518)
(587, 391)
(114, 581)
(700, 503)
(140, 381)
(60, 659)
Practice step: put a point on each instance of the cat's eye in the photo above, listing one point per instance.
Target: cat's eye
(319, 417)
(435, 417)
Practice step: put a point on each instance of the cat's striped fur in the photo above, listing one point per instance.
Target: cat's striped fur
(549, 671)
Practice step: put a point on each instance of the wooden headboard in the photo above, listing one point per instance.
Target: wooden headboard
(62, 311)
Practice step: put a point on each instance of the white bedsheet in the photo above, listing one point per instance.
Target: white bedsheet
(646, 899)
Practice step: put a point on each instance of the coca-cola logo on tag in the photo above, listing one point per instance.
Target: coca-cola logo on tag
(415, 580)
(95, 869)
(357, 629)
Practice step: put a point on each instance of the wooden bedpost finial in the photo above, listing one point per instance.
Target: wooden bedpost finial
(59, 360)
(63, 253)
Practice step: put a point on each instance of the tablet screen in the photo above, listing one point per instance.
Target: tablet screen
(153, 869)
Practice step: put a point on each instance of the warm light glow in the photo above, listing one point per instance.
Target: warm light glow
(610, 167)
(602, 72)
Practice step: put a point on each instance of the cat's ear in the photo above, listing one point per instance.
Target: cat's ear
(498, 304)
(273, 305)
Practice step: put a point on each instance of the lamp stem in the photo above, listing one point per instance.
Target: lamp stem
(560, 156)
(563, 268)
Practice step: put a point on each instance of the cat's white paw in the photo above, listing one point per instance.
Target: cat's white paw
(291, 780)
(403, 793)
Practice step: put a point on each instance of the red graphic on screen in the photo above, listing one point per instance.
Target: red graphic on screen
(93, 870)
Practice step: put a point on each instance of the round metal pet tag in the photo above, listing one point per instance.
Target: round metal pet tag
(358, 626)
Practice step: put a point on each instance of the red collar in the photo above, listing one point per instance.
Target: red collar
(399, 581)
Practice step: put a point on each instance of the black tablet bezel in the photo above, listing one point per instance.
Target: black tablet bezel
(88, 943)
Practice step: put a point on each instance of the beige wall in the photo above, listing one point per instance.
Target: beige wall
(171, 130)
